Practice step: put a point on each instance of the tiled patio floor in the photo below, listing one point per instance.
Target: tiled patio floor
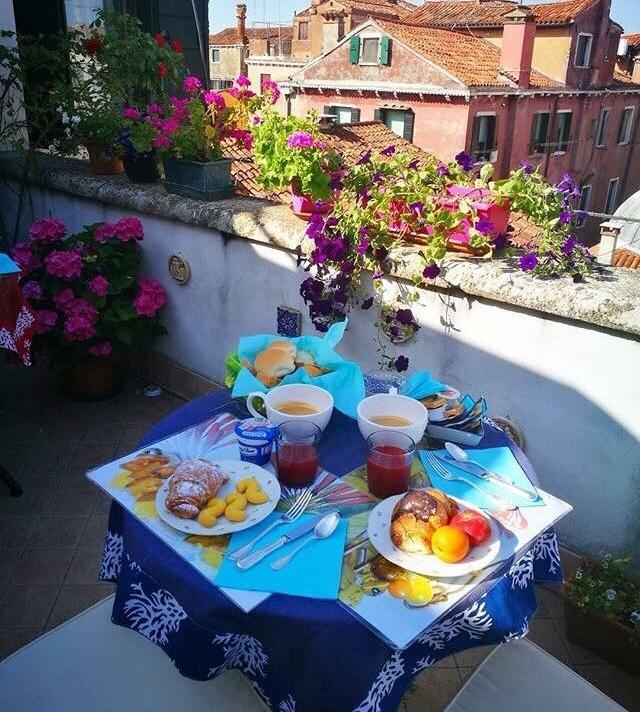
(51, 537)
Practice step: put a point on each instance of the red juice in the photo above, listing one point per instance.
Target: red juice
(388, 470)
(297, 464)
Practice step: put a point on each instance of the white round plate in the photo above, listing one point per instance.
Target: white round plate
(499, 546)
(235, 470)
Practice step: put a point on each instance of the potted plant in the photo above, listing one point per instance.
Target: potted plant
(290, 152)
(602, 610)
(137, 142)
(191, 137)
(90, 301)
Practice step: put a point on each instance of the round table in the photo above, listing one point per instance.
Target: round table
(300, 654)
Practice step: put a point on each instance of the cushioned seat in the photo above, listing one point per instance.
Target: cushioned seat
(88, 664)
(521, 676)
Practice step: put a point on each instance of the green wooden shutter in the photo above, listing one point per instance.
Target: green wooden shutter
(330, 110)
(354, 50)
(385, 45)
(408, 126)
(355, 116)
(377, 115)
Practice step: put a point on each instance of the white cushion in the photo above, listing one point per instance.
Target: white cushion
(88, 664)
(521, 676)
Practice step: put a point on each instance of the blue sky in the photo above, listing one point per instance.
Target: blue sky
(222, 13)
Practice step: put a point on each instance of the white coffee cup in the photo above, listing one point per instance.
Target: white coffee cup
(391, 404)
(313, 395)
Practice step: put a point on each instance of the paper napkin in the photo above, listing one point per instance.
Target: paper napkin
(313, 572)
(498, 459)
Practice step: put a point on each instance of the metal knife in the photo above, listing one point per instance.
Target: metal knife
(490, 477)
(246, 562)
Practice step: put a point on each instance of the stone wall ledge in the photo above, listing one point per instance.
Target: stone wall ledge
(610, 300)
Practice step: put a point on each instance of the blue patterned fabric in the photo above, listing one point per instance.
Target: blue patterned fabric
(303, 655)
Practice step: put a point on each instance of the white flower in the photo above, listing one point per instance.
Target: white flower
(578, 574)
(611, 594)
(635, 617)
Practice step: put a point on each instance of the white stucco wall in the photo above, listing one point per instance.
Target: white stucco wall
(574, 389)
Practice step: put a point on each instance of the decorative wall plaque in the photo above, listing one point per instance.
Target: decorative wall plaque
(179, 269)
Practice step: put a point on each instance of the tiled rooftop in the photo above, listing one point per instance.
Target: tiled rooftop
(474, 61)
(229, 36)
(393, 9)
(622, 257)
(633, 39)
(473, 13)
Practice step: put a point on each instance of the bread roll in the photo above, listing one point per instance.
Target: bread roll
(285, 345)
(416, 517)
(272, 364)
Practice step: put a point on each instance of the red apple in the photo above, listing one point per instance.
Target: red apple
(474, 525)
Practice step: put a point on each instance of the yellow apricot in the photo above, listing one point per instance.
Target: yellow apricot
(243, 485)
(256, 496)
(234, 514)
(217, 506)
(232, 496)
(207, 517)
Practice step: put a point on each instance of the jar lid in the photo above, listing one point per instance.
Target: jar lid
(255, 429)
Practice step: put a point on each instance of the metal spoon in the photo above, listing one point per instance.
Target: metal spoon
(460, 455)
(323, 529)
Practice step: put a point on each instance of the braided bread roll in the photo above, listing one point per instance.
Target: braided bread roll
(191, 486)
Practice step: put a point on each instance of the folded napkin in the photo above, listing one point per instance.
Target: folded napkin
(344, 380)
(7, 265)
(313, 572)
(497, 459)
(420, 385)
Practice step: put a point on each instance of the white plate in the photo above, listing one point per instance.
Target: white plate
(499, 546)
(235, 470)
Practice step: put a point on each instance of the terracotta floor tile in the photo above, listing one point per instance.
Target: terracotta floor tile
(473, 656)
(85, 565)
(621, 686)
(9, 559)
(543, 633)
(433, 690)
(58, 531)
(32, 502)
(15, 530)
(76, 598)
(27, 606)
(72, 502)
(95, 531)
(42, 566)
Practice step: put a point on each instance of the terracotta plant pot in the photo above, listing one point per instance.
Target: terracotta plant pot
(103, 164)
(615, 642)
(208, 180)
(303, 205)
(92, 381)
(142, 168)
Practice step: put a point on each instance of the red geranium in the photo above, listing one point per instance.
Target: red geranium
(161, 39)
(162, 69)
(92, 45)
(176, 46)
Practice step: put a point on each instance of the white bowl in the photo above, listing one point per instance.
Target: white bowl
(314, 395)
(392, 404)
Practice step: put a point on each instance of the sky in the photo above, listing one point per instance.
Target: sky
(222, 13)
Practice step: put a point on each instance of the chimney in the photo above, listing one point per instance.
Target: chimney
(518, 35)
(241, 23)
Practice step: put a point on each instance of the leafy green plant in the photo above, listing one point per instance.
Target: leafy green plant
(605, 588)
(290, 149)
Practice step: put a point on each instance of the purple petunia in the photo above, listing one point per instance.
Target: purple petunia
(484, 226)
(417, 208)
(413, 165)
(300, 139)
(364, 158)
(367, 304)
(401, 363)
(465, 161)
(443, 170)
(404, 316)
(569, 244)
(528, 262)
(388, 151)
(565, 217)
(528, 168)
(431, 271)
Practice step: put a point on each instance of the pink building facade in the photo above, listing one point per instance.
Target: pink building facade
(449, 91)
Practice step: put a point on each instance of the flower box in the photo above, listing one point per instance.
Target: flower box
(102, 161)
(210, 180)
(142, 168)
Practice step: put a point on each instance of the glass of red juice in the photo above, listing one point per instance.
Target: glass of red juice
(389, 462)
(297, 458)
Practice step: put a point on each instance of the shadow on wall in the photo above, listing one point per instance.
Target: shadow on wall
(552, 377)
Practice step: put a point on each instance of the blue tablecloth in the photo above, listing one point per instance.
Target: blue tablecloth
(303, 655)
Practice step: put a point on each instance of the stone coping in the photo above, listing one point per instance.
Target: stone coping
(611, 300)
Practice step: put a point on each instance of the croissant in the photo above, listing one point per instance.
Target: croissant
(191, 486)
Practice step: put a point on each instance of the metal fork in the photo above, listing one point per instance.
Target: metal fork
(441, 470)
(296, 509)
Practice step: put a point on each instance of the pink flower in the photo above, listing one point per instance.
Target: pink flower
(243, 81)
(26, 258)
(103, 233)
(191, 85)
(130, 112)
(63, 299)
(270, 88)
(242, 137)
(150, 299)
(300, 139)
(129, 229)
(99, 286)
(101, 350)
(170, 126)
(64, 264)
(78, 328)
(47, 230)
(81, 308)
(46, 320)
(155, 109)
(32, 290)
(161, 142)
(214, 97)
(256, 120)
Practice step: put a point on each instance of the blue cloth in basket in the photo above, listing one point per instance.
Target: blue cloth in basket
(420, 385)
(302, 654)
(344, 380)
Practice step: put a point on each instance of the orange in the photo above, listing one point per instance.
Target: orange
(450, 544)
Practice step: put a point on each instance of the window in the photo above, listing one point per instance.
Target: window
(343, 114)
(370, 50)
(483, 139)
(603, 126)
(400, 121)
(612, 196)
(626, 122)
(220, 84)
(215, 55)
(539, 132)
(563, 131)
(303, 30)
(583, 50)
(264, 78)
(592, 128)
(583, 206)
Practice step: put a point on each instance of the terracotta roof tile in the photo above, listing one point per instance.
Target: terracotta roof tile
(392, 9)
(472, 13)
(633, 39)
(623, 78)
(622, 257)
(474, 61)
(228, 36)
